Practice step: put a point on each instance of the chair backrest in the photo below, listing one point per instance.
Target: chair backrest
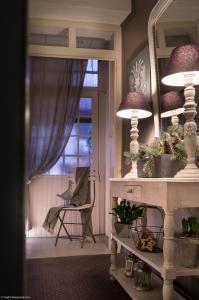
(91, 179)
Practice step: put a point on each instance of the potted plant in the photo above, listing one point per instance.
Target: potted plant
(125, 214)
(188, 242)
(164, 157)
(173, 157)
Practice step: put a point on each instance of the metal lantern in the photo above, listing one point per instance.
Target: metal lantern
(142, 274)
(129, 265)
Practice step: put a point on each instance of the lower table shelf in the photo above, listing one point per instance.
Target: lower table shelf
(127, 283)
(155, 260)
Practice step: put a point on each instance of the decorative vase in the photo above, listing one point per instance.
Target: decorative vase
(122, 230)
(166, 167)
(188, 251)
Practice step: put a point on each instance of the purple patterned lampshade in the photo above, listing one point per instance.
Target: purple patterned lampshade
(172, 104)
(183, 60)
(134, 104)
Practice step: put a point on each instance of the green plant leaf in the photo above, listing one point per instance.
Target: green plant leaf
(127, 213)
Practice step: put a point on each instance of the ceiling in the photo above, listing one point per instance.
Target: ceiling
(99, 11)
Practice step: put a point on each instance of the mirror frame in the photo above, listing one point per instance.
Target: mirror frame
(155, 14)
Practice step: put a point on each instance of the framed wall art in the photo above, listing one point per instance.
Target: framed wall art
(138, 69)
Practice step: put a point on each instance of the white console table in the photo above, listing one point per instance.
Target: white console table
(170, 194)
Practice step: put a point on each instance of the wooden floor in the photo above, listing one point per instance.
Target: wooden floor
(44, 247)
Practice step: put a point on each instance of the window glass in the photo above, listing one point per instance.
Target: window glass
(70, 162)
(58, 38)
(85, 128)
(84, 161)
(71, 147)
(84, 145)
(58, 168)
(90, 80)
(94, 39)
(75, 129)
(92, 65)
(85, 106)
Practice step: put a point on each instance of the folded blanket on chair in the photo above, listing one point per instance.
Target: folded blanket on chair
(51, 218)
(80, 196)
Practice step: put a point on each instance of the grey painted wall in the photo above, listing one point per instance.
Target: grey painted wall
(134, 38)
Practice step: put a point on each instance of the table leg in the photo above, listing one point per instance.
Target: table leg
(167, 291)
(114, 217)
(113, 257)
(168, 253)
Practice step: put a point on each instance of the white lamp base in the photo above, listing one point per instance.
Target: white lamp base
(131, 174)
(190, 128)
(190, 171)
(134, 147)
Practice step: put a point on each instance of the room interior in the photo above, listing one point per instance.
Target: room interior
(119, 32)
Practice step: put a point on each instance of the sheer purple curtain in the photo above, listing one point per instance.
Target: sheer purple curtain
(55, 87)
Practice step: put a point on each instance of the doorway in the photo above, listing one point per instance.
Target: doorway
(86, 147)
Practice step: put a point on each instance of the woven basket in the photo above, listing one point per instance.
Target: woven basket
(148, 238)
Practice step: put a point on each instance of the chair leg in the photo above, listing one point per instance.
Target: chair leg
(91, 232)
(67, 232)
(62, 224)
(58, 232)
(84, 237)
(87, 226)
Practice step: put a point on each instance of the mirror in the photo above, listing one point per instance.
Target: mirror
(172, 23)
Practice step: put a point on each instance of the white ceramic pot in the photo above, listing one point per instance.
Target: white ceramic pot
(188, 251)
(122, 230)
